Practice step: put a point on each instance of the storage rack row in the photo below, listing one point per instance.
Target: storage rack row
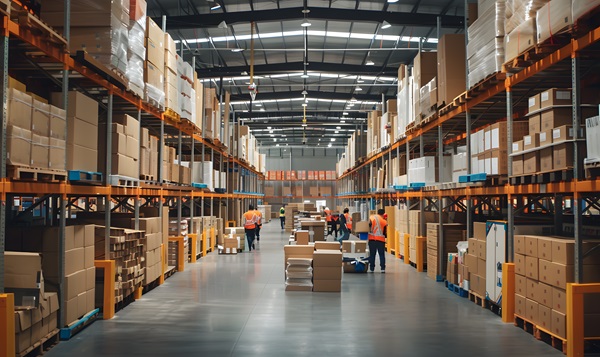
(290, 191)
(564, 198)
(32, 52)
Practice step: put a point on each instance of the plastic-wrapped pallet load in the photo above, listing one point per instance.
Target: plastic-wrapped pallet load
(299, 273)
(486, 42)
(137, 47)
(553, 18)
(520, 26)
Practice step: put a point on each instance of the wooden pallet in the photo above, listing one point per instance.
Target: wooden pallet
(541, 334)
(43, 345)
(562, 175)
(485, 83)
(99, 68)
(28, 20)
(123, 181)
(479, 300)
(147, 177)
(23, 173)
(171, 114)
(170, 271)
(5, 6)
(153, 103)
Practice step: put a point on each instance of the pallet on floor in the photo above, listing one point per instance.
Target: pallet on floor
(123, 181)
(170, 271)
(457, 289)
(40, 347)
(24, 173)
(478, 299)
(541, 334)
(67, 332)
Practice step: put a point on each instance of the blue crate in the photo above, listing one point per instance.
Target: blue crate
(199, 185)
(84, 176)
(464, 178)
(417, 184)
(363, 236)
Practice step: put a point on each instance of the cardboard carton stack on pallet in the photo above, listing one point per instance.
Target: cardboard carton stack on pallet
(453, 233)
(23, 272)
(154, 71)
(544, 267)
(475, 259)
(125, 147)
(327, 265)
(489, 148)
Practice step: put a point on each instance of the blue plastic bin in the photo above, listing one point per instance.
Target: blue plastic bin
(363, 236)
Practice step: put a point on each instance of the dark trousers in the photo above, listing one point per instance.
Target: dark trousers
(332, 228)
(345, 233)
(282, 219)
(250, 237)
(376, 246)
(257, 232)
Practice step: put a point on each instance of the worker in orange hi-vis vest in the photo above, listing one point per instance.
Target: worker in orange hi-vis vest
(345, 225)
(335, 223)
(258, 224)
(250, 220)
(377, 236)
(328, 219)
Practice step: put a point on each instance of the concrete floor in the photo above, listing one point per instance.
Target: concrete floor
(237, 306)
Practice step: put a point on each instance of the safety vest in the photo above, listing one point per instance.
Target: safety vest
(327, 215)
(348, 220)
(335, 218)
(258, 216)
(250, 220)
(282, 212)
(378, 224)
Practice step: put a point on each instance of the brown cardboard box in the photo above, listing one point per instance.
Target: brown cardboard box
(531, 310)
(520, 244)
(81, 158)
(424, 68)
(40, 151)
(520, 264)
(82, 304)
(450, 75)
(20, 106)
(361, 227)
(520, 305)
(544, 295)
(327, 285)
(546, 159)
(80, 106)
(520, 285)
(559, 300)
(545, 271)
(327, 258)
(302, 237)
(481, 249)
(327, 273)
(545, 317)
(88, 259)
(535, 124)
(518, 165)
(298, 288)
(531, 267)
(545, 248)
(563, 252)
(481, 268)
(555, 96)
(153, 75)
(75, 284)
(531, 246)
(531, 141)
(18, 146)
(563, 156)
(327, 246)
(472, 242)
(534, 103)
(71, 310)
(22, 330)
(471, 261)
(40, 119)
(520, 39)
(545, 137)
(21, 270)
(559, 323)
(531, 162)
(298, 251)
(479, 231)
(90, 278)
(82, 133)
(57, 154)
(565, 132)
(531, 289)
(517, 146)
(90, 299)
(124, 166)
(556, 117)
(155, 53)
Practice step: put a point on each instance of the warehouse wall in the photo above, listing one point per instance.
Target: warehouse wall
(302, 158)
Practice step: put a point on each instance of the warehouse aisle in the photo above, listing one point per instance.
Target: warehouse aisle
(236, 305)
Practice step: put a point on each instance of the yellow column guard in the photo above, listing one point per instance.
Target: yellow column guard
(193, 248)
(406, 248)
(180, 256)
(508, 292)
(108, 305)
(575, 333)
(7, 325)
(163, 264)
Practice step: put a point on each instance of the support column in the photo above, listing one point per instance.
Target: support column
(441, 258)
(3, 203)
(577, 202)
(510, 234)
(422, 205)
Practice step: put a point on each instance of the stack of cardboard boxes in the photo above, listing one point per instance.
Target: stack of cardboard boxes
(80, 273)
(154, 77)
(302, 255)
(125, 148)
(148, 156)
(327, 265)
(476, 259)
(152, 255)
(544, 267)
(453, 233)
(185, 80)
(489, 148)
(549, 146)
(82, 131)
(171, 78)
(32, 323)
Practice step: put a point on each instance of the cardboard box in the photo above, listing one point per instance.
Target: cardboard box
(472, 249)
(298, 288)
(520, 285)
(565, 132)
(531, 310)
(327, 258)
(559, 300)
(546, 159)
(559, 323)
(361, 227)
(327, 246)
(327, 273)
(544, 295)
(531, 246)
(481, 249)
(81, 158)
(534, 103)
(471, 261)
(545, 137)
(518, 167)
(153, 75)
(563, 156)
(302, 237)
(82, 133)
(531, 289)
(520, 305)
(545, 317)
(480, 231)
(79, 106)
(545, 248)
(535, 124)
(155, 54)
(40, 119)
(556, 117)
(520, 244)
(75, 284)
(327, 285)
(40, 151)
(18, 146)
(555, 96)
(450, 74)
(520, 39)
(22, 270)
(517, 146)
(481, 267)
(520, 264)
(531, 141)
(20, 106)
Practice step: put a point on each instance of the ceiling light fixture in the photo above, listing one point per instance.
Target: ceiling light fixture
(345, 113)
(305, 75)
(237, 49)
(370, 63)
(385, 25)
(392, 1)
(337, 132)
(214, 6)
(222, 24)
(258, 105)
(304, 104)
(353, 100)
(305, 23)
(342, 121)
(304, 92)
(358, 89)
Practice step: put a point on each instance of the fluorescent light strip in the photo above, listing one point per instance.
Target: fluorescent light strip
(316, 33)
(310, 74)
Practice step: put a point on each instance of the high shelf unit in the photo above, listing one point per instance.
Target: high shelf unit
(554, 199)
(299, 190)
(31, 51)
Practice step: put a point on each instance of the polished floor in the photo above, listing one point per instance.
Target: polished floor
(237, 306)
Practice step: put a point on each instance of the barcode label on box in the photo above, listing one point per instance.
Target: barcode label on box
(542, 137)
(563, 94)
(527, 140)
(555, 133)
(545, 96)
(531, 102)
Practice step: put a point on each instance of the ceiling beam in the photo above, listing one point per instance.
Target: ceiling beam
(316, 13)
(317, 95)
(276, 68)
